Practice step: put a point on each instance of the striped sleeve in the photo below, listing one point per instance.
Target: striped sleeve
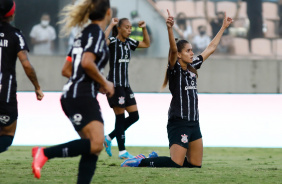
(95, 43)
(133, 43)
(197, 62)
(21, 42)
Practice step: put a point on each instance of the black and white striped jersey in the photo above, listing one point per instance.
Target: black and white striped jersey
(120, 54)
(183, 87)
(91, 39)
(11, 43)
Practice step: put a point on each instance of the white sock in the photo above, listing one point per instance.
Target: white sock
(122, 152)
(108, 138)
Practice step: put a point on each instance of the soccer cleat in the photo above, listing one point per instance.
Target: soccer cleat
(140, 156)
(108, 147)
(126, 155)
(133, 162)
(153, 155)
(39, 159)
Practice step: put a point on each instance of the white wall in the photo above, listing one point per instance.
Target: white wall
(226, 120)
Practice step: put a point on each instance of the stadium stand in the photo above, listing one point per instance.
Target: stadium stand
(261, 47)
(198, 22)
(241, 46)
(200, 9)
(270, 29)
(270, 10)
(227, 6)
(187, 7)
(164, 5)
(277, 47)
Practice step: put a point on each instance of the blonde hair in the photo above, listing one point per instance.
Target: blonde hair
(76, 15)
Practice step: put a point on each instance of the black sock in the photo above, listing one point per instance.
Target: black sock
(86, 169)
(5, 142)
(158, 162)
(189, 165)
(130, 120)
(70, 149)
(119, 128)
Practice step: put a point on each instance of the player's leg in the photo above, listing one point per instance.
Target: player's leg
(8, 124)
(94, 131)
(177, 153)
(7, 134)
(195, 153)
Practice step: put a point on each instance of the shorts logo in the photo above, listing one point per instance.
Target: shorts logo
(184, 138)
(131, 95)
(121, 100)
(77, 119)
(4, 119)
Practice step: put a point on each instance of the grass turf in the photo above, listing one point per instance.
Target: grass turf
(220, 165)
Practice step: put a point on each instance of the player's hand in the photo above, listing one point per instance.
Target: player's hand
(169, 20)
(114, 21)
(108, 89)
(142, 24)
(39, 94)
(226, 21)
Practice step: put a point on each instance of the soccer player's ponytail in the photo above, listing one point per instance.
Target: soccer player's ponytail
(79, 14)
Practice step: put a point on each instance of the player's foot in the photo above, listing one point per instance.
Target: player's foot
(108, 146)
(39, 159)
(126, 155)
(153, 155)
(133, 162)
(140, 156)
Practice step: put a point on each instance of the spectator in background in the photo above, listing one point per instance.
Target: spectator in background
(114, 12)
(136, 31)
(280, 16)
(254, 12)
(42, 36)
(181, 24)
(202, 40)
(226, 43)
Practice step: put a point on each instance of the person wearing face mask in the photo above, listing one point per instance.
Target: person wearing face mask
(42, 37)
(202, 40)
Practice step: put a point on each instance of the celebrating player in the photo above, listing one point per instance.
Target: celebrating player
(12, 46)
(120, 46)
(88, 56)
(185, 138)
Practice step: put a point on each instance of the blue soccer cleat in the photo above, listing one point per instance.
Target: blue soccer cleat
(126, 155)
(140, 156)
(108, 146)
(133, 162)
(153, 155)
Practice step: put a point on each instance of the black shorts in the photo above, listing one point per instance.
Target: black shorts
(81, 111)
(123, 97)
(180, 132)
(8, 113)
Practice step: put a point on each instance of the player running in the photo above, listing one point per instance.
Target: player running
(12, 46)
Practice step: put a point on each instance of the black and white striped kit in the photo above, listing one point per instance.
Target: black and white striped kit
(92, 39)
(183, 87)
(120, 54)
(11, 42)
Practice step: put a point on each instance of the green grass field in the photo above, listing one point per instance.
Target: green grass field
(220, 165)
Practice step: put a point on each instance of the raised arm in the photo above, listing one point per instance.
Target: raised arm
(172, 44)
(146, 38)
(93, 72)
(214, 43)
(30, 72)
(107, 32)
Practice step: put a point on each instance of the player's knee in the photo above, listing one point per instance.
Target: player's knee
(97, 146)
(195, 164)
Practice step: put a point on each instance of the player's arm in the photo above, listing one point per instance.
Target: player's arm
(214, 43)
(67, 68)
(107, 32)
(172, 44)
(145, 43)
(93, 72)
(30, 72)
